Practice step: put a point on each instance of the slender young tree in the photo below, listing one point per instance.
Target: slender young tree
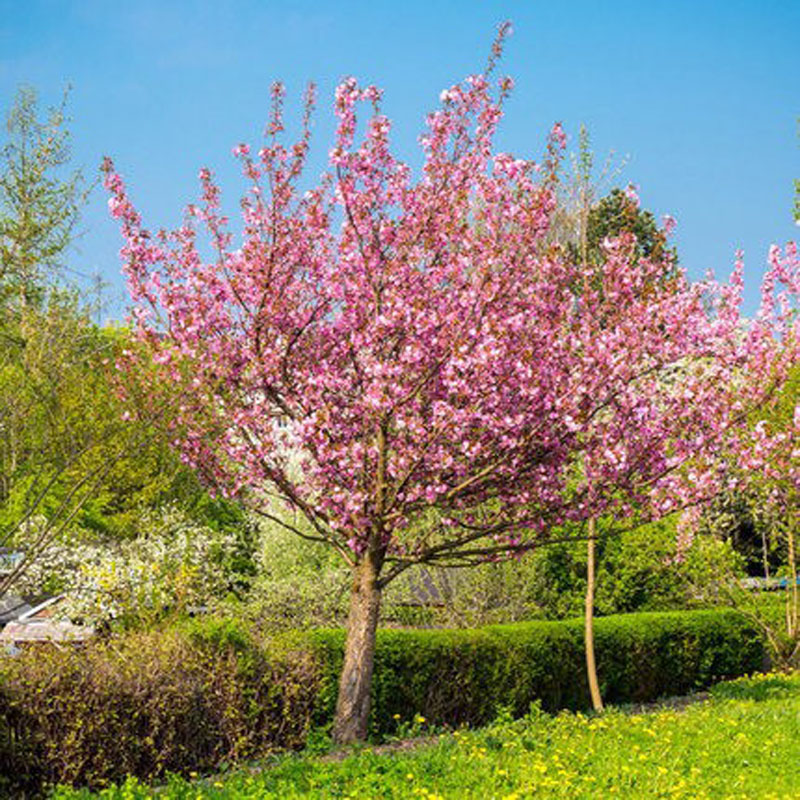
(584, 205)
(39, 205)
(585, 224)
(408, 363)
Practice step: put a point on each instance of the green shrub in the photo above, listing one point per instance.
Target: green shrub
(177, 700)
(455, 677)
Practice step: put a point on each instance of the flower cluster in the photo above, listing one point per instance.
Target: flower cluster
(174, 563)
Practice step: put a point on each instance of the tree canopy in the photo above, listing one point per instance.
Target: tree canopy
(410, 365)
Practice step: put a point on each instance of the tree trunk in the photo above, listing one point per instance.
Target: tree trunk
(792, 594)
(591, 667)
(352, 705)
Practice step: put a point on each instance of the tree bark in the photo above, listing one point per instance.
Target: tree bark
(792, 594)
(353, 703)
(591, 667)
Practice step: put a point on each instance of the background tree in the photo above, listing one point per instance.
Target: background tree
(74, 471)
(67, 474)
(591, 208)
(61, 431)
(407, 364)
(764, 467)
(619, 212)
(39, 208)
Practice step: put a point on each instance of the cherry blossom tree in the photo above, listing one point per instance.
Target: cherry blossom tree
(762, 463)
(770, 471)
(405, 360)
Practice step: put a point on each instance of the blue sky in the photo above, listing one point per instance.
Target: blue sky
(701, 97)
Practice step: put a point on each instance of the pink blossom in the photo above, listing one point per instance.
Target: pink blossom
(631, 192)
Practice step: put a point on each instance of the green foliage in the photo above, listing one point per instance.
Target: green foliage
(617, 213)
(458, 677)
(297, 583)
(641, 571)
(638, 570)
(39, 207)
(57, 411)
(303, 584)
(743, 743)
(175, 700)
(73, 471)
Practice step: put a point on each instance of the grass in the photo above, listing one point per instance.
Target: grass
(744, 742)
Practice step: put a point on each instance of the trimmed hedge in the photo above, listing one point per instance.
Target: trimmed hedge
(194, 697)
(454, 677)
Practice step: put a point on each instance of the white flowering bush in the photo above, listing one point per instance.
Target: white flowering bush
(174, 563)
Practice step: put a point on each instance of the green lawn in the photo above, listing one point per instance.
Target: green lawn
(743, 743)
